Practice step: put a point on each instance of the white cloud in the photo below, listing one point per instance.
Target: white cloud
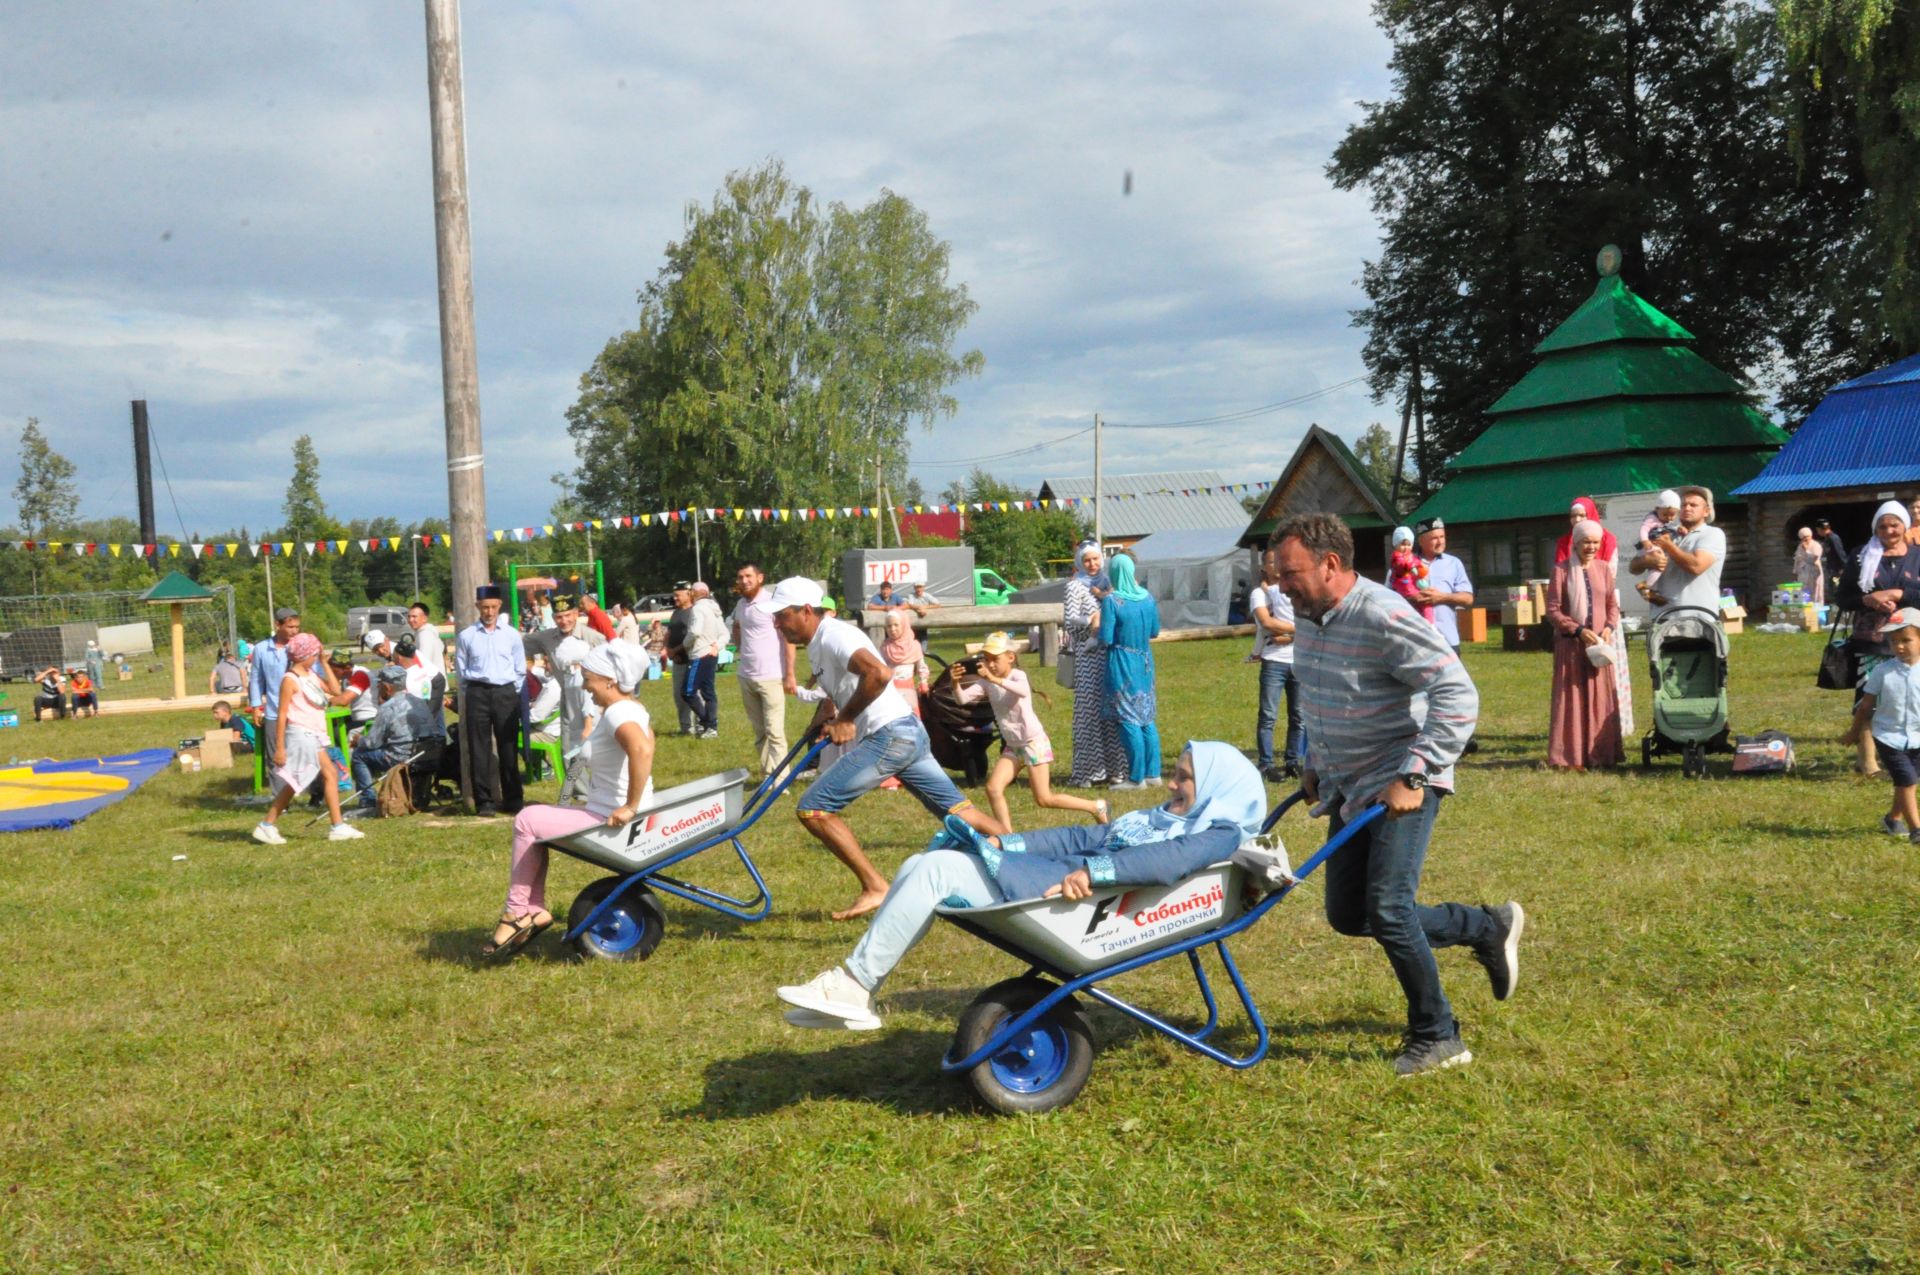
(226, 208)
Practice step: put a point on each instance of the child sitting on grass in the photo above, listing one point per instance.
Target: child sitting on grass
(1023, 740)
(224, 718)
(1407, 570)
(1892, 703)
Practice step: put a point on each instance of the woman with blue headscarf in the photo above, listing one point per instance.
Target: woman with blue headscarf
(1130, 619)
(1098, 755)
(1217, 801)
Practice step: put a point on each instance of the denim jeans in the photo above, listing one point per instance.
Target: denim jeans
(1277, 676)
(369, 764)
(924, 882)
(1143, 750)
(679, 676)
(1370, 887)
(700, 693)
(897, 750)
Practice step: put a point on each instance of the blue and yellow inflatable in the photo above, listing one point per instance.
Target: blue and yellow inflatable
(59, 794)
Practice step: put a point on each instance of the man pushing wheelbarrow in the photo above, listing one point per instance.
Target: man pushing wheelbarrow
(877, 731)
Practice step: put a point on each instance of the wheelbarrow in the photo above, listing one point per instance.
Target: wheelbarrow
(1025, 1045)
(619, 917)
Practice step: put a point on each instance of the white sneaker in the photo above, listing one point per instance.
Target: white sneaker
(268, 835)
(827, 1022)
(344, 832)
(836, 995)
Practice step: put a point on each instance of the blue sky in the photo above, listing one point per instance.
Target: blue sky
(226, 209)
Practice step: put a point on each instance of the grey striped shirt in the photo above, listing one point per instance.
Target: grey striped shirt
(1382, 694)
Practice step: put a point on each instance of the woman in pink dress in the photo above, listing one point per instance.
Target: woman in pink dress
(1584, 610)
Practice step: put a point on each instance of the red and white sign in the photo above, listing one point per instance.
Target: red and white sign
(895, 571)
(671, 827)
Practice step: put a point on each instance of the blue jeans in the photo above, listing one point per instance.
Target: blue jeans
(700, 693)
(924, 882)
(898, 750)
(1277, 676)
(1370, 887)
(1143, 750)
(369, 764)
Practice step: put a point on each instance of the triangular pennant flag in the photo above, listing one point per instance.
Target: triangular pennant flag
(546, 530)
(198, 550)
(114, 550)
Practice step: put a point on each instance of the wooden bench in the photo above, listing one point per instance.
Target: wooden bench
(1015, 618)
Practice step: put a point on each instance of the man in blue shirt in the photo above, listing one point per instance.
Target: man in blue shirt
(268, 667)
(1447, 586)
(492, 664)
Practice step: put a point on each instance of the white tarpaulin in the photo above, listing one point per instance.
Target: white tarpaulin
(1199, 577)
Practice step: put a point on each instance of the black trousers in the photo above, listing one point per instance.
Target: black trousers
(492, 724)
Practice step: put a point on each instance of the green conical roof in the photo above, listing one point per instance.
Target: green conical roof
(174, 587)
(1617, 402)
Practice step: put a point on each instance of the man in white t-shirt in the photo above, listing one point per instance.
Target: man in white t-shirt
(1690, 566)
(1273, 650)
(427, 646)
(879, 736)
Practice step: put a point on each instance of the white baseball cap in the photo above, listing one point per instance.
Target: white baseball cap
(794, 591)
(374, 640)
(1904, 618)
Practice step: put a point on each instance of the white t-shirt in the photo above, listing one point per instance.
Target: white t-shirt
(1280, 607)
(1683, 590)
(427, 648)
(831, 653)
(547, 703)
(607, 789)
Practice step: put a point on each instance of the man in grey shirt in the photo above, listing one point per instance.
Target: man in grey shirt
(1387, 709)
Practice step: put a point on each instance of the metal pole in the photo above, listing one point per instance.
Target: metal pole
(459, 362)
(267, 558)
(696, 544)
(233, 629)
(1098, 537)
(413, 543)
(879, 524)
(143, 471)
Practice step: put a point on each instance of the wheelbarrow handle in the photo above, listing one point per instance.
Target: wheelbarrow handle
(1339, 839)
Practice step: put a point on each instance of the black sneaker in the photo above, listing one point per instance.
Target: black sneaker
(1419, 1056)
(1913, 838)
(1274, 774)
(1501, 954)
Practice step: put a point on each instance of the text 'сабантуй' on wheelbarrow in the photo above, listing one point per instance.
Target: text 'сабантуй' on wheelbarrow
(1025, 1045)
(619, 918)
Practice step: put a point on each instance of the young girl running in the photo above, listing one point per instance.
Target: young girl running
(1023, 740)
(299, 743)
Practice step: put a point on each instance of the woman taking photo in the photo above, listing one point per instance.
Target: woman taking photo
(620, 759)
(1584, 609)
(1098, 756)
(1883, 577)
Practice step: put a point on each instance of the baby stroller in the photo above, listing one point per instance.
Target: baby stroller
(961, 731)
(1687, 653)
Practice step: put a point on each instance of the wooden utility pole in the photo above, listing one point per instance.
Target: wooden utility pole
(1098, 538)
(459, 362)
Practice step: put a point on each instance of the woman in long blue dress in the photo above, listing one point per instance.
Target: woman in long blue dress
(1129, 619)
(1098, 755)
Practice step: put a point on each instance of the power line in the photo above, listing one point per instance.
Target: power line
(1245, 415)
(155, 436)
(1022, 451)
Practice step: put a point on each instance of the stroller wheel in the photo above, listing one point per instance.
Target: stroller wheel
(1042, 1068)
(1646, 750)
(627, 931)
(1693, 763)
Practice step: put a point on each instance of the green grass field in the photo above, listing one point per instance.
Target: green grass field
(291, 1059)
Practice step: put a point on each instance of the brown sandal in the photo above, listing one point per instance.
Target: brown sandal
(525, 929)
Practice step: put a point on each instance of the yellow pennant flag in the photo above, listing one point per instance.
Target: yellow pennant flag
(115, 549)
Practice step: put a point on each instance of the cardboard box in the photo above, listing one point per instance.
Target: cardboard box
(1473, 624)
(1537, 594)
(1733, 619)
(1810, 618)
(1526, 637)
(125, 674)
(216, 750)
(1520, 613)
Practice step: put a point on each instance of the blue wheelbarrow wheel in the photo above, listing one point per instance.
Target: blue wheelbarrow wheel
(1045, 1067)
(627, 931)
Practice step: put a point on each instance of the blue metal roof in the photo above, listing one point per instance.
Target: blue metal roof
(1865, 433)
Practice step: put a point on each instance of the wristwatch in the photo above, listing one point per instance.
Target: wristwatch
(1416, 782)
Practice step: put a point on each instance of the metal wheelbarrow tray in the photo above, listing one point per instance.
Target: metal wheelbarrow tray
(1025, 1045)
(618, 917)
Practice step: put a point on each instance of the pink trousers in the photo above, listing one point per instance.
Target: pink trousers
(527, 884)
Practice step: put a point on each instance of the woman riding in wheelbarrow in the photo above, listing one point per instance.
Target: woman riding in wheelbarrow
(1217, 802)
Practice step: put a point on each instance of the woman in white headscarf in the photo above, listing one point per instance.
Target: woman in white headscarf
(1099, 757)
(619, 755)
(1808, 569)
(1584, 609)
(1883, 577)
